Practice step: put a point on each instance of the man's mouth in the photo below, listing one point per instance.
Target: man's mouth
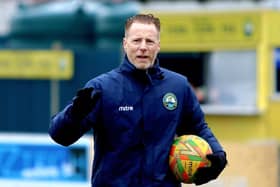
(142, 57)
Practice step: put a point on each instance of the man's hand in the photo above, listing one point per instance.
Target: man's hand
(218, 163)
(84, 101)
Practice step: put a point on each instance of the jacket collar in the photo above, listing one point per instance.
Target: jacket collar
(154, 72)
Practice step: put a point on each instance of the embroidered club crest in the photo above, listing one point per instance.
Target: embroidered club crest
(169, 101)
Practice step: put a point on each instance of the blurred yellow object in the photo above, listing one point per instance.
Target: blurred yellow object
(36, 64)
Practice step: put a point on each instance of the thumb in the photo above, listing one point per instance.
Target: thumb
(95, 94)
(211, 157)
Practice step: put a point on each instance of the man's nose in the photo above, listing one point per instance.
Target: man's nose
(143, 45)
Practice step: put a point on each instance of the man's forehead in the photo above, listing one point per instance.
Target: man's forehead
(140, 28)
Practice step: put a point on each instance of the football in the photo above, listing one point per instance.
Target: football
(187, 154)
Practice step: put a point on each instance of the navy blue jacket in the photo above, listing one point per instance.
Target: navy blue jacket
(134, 124)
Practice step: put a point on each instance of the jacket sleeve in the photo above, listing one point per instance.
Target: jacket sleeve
(64, 129)
(193, 120)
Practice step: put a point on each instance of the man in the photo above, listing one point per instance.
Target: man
(135, 112)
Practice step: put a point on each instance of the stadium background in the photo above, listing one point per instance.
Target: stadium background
(228, 49)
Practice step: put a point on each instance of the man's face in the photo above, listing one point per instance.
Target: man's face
(141, 44)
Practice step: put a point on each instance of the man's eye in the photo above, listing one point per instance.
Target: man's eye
(136, 41)
(150, 42)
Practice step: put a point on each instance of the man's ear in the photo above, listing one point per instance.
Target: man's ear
(158, 46)
(124, 44)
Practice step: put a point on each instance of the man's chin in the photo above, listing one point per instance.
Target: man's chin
(143, 66)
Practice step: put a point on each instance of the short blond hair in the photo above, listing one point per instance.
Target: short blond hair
(143, 18)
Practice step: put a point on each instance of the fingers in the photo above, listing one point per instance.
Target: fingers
(95, 95)
(202, 176)
(90, 94)
(85, 91)
(212, 157)
(218, 159)
(84, 102)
